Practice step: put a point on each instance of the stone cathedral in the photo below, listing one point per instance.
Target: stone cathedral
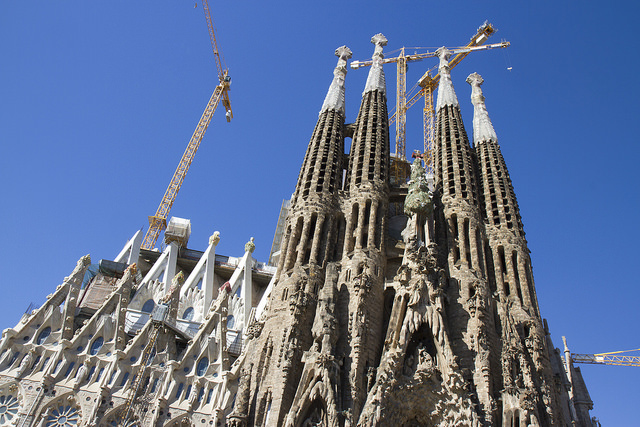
(389, 303)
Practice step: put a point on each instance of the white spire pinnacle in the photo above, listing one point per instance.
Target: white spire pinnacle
(446, 94)
(335, 96)
(375, 80)
(482, 127)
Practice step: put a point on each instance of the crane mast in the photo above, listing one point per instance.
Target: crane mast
(158, 222)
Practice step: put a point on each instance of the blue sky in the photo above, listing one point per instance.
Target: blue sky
(99, 99)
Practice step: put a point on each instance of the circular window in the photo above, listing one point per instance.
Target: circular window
(203, 364)
(148, 306)
(231, 321)
(8, 409)
(44, 334)
(188, 314)
(96, 346)
(66, 416)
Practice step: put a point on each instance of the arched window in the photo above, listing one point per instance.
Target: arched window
(100, 372)
(14, 358)
(96, 346)
(148, 306)
(209, 395)
(153, 387)
(124, 379)
(231, 321)
(203, 364)
(179, 392)
(188, 314)
(186, 395)
(69, 369)
(44, 334)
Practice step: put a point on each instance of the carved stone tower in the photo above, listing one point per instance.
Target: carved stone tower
(310, 242)
(526, 377)
(462, 231)
(363, 259)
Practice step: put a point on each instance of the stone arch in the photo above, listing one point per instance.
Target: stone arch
(182, 420)
(421, 341)
(112, 418)
(315, 414)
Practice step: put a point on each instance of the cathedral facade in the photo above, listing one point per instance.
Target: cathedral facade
(392, 303)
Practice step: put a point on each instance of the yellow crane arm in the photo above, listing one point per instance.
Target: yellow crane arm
(214, 44)
(223, 72)
(606, 359)
(158, 222)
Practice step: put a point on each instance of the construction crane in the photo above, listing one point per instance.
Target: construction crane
(611, 358)
(158, 222)
(428, 85)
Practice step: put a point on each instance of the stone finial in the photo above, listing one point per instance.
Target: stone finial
(443, 54)
(335, 95)
(250, 246)
(476, 80)
(446, 94)
(375, 80)
(380, 41)
(344, 54)
(215, 238)
(482, 127)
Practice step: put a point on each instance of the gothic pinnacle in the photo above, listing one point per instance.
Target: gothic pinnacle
(446, 94)
(335, 95)
(376, 80)
(482, 127)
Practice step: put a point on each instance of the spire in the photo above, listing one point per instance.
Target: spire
(335, 96)
(375, 80)
(482, 127)
(446, 94)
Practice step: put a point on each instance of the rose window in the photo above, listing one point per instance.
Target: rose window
(66, 416)
(8, 409)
